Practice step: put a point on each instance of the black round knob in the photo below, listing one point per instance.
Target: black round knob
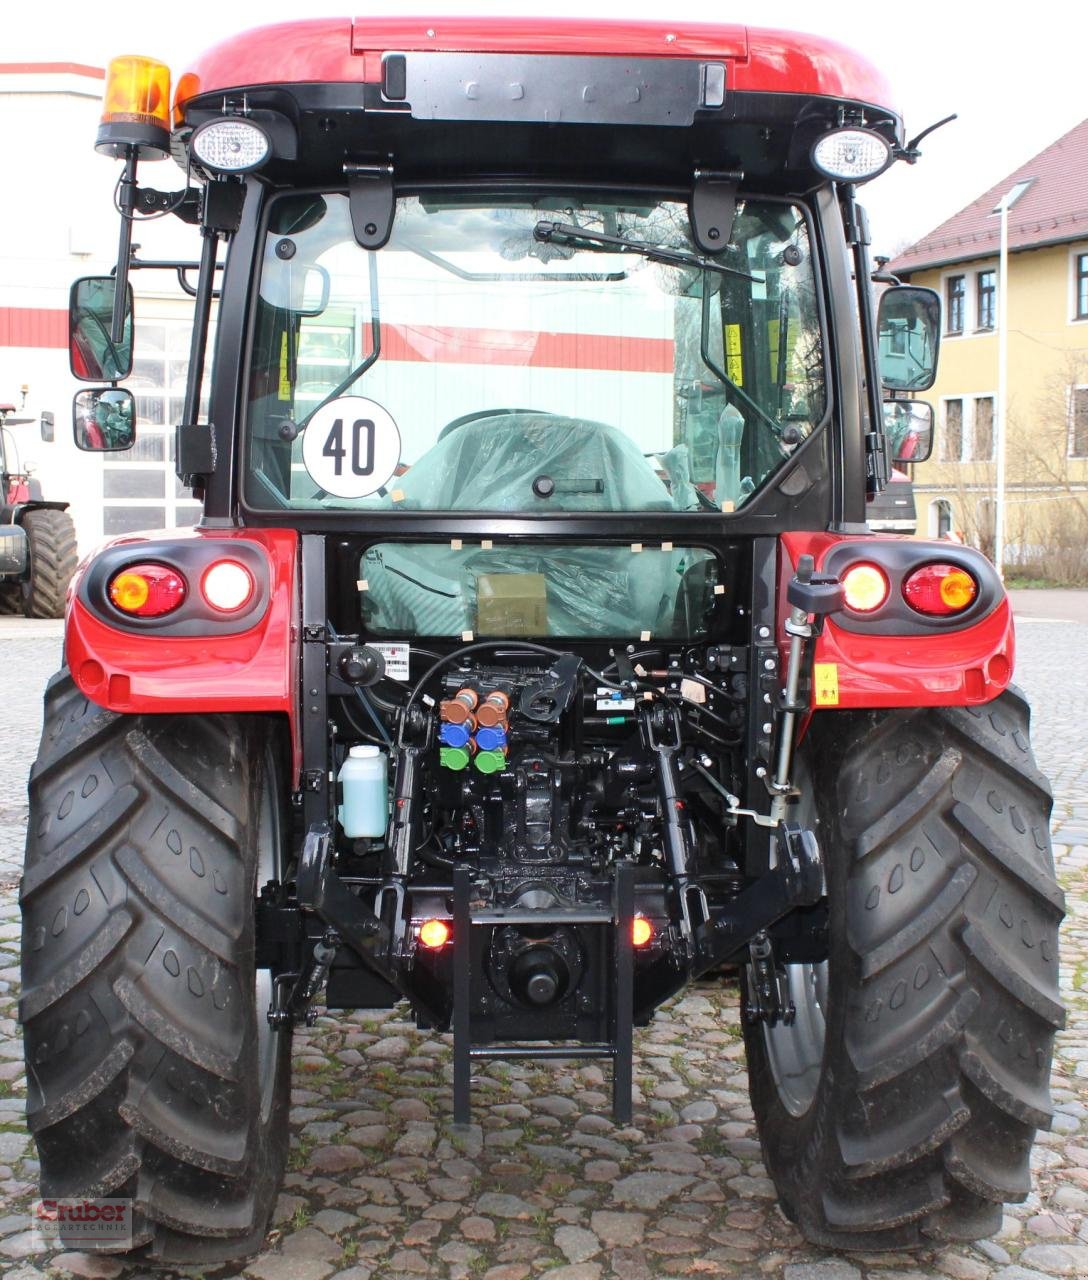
(361, 666)
(542, 986)
(543, 486)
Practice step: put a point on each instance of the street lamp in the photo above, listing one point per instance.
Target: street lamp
(1002, 399)
(1000, 408)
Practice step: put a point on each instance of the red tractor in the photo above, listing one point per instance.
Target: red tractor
(533, 657)
(37, 538)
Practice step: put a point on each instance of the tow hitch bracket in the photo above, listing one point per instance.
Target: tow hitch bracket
(796, 880)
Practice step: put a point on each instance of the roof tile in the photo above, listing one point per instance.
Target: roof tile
(1052, 210)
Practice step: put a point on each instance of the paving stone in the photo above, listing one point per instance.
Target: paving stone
(577, 1244)
(648, 1190)
(700, 1111)
(335, 1220)
(555, 1106)
(618, 1228)
(498, 1204)
(392, 1048)
(832, 1270)
(962, 1267)
(274, 1266)
(1057, 1259)
(337, 1159)
(22, 1245)
(309, 1244)
(89, 1266)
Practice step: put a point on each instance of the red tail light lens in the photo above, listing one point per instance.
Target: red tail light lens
(865, 587)
(147, 590)
(227, 586)
(940, 589)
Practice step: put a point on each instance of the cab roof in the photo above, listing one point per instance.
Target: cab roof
(464, 98)
(345, 50)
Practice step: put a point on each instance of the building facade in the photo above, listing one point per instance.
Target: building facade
(1046, 494)
(57, 223)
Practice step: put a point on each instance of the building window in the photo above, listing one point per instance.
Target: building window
(986, 300)
(1078, 422)
(982, 436)
(952, 436)
(139, 488)
(956, 293)
(1080, 287)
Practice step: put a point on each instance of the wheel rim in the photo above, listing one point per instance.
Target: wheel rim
(795, 1052)
(268, 868)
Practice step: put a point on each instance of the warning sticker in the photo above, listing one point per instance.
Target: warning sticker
(396, 659)
(351, 447)
(825, 683)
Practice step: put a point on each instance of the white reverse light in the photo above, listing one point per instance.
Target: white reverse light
(851, 155)
(230, 146)
(227, 586)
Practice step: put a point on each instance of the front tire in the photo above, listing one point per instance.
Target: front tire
(150, 1071)
(941, 1000)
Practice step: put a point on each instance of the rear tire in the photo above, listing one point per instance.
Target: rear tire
(53, 557)
(150, 1071)
(941, 1000)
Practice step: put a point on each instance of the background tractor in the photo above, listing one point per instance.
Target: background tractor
(37, 538)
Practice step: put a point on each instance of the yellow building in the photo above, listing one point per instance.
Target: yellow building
(1046, 520)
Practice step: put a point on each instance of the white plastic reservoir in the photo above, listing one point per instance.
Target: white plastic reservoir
(364, 777)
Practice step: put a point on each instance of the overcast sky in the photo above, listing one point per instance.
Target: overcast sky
(1015, 75)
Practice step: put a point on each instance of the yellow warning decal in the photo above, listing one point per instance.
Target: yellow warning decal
(285, 380)
(734, 362)
(825, 682)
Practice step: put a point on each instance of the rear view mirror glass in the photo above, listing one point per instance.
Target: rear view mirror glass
(104, 419)
(909, 336)
(92, 353)
(908, 427)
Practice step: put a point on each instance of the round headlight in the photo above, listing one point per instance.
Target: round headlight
(851, 155)
(231, 145)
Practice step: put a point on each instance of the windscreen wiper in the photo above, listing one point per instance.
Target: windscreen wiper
(579, 237)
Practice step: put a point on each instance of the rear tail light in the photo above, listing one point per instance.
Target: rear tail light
(147, 590)
(227, 586)
(865, 587)
(641, 931)
(940, 589)
(434, 934)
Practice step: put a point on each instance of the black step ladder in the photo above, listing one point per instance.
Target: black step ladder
(621, 1046)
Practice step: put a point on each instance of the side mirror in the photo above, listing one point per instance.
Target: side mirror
(908, 428)
(104, 419)
(92, 355)
(48, 431)
(909, 335)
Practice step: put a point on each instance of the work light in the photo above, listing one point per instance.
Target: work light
(851, 155)
(231, 145)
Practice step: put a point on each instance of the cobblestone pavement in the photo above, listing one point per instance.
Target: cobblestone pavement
(378, 1185)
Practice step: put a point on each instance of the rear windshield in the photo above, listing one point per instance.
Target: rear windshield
(442, 589)
(546, 355)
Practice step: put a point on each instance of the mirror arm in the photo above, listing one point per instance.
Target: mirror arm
(195, 463)
(126, 202)
(856, 227)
